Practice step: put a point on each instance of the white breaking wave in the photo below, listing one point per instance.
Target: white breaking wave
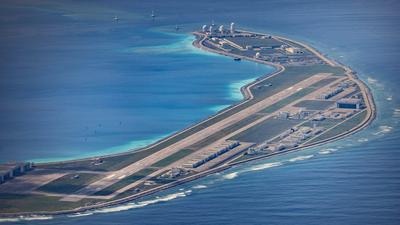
(141, 204)
(265, 166)
(301, 158)
(362, 140)
(27, 218)
(371, 80)
(384, 129)
(37, 218)
(80, 214)
(230, 176)
(374, 82)
(200, 186)
(3, 220)
(327, 151)
(396, 113)
(118, 208)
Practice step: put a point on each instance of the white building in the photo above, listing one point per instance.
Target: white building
(211, 29)
(10, 170)
(232, 28)
(221, 29)
(204, 28)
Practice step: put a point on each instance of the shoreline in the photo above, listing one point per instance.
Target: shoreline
(248, 95)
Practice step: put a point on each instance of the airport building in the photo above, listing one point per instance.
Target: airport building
(283, 115)
(348, 103)
(215, 154)
(331, 93)
(10, 170)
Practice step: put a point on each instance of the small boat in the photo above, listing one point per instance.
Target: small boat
(177, 28)
(152, 14)
(237, 59)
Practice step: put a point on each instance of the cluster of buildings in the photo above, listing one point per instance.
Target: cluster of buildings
(332, 92)
(13, 169)
(173, 173)
(295, 136)
(200, 158)
(339, 101)
(262, 47)
(289, 139)
(294, 50)
(343, 101)
(344, 108)
(329, 94)
(299, 115)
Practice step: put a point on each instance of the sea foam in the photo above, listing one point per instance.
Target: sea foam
(383, 130)
(230, 176)
(141, 204)
(327, 151)
(199, 186)
(80, 214)
(396, 113)
(300, 158)
(265, 166)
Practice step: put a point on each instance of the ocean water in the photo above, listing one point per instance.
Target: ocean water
(139, 72)
(101, 86)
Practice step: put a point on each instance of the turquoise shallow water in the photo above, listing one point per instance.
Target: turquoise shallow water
(352, 181)
(102, 90)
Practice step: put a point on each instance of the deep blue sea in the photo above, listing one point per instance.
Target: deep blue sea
(75, 82)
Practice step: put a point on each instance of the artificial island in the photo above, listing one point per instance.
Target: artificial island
(309, 100)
